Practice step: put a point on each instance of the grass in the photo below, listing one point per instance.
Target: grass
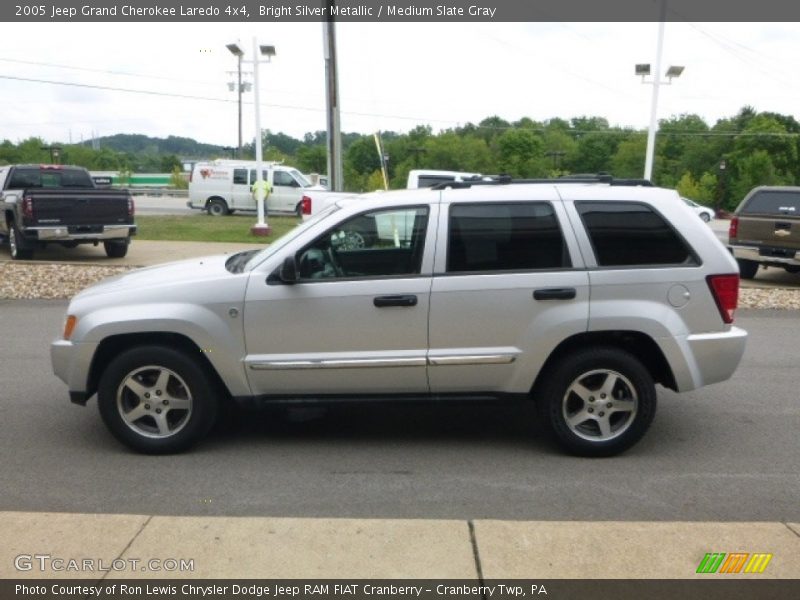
(204, 228)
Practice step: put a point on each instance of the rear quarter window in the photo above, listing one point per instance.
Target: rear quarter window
(628, 234)
(777, 202)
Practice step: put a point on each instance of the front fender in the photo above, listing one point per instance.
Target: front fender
(217, 334)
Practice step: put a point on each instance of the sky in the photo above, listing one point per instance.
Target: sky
(392, 77)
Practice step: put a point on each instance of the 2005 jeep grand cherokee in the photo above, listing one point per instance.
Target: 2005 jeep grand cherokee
(580, 296)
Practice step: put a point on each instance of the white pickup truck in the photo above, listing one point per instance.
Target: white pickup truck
(314, 201)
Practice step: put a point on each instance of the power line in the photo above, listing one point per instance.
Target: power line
(629, 132)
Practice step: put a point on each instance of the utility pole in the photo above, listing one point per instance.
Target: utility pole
(335, 176)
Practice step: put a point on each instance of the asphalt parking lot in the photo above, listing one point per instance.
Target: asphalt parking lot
(723, 453)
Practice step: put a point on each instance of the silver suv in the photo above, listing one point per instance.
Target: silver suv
(581, 296)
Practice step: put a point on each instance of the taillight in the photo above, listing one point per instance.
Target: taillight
(733, 228)
(725, 289)
(27, 207)
(305, 205)
(131, 207)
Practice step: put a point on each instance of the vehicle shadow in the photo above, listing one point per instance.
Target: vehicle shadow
(510, 423)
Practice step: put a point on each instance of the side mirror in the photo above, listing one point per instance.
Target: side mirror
(288, 272)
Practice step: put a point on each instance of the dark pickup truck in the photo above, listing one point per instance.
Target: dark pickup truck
(765, 230)
(55, 204)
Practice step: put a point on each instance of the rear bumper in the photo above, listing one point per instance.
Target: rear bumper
(755, 254)
(705, 358)
(62, 233)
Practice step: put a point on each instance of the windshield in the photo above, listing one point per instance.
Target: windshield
(275, 246)
(301, 179)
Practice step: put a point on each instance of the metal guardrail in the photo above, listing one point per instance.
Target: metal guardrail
(156, 191)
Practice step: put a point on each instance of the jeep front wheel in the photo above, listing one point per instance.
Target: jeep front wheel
(598, 402)
(156, 400)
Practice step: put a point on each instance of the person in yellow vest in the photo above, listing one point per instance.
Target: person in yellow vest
(265, 187)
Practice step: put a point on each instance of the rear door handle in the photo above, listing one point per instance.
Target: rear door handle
(554, 294)
(405, 300)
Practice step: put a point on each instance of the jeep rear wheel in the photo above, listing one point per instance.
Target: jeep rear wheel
(598, 402)
(156, 400)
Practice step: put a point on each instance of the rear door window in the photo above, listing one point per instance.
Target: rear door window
(505, 237)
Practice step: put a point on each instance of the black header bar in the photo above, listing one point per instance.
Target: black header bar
(270, 11)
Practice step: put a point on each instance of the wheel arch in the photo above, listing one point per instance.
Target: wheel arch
(113, 345)
(640, 345)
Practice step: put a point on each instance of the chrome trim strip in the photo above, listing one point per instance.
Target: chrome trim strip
(356, 363)
(472, 359)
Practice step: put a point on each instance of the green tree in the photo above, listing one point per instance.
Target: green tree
(520, 153)
(628, 160)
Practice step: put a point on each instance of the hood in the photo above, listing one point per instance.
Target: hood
(162, 276)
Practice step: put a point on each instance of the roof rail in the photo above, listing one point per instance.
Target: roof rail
(577, 178)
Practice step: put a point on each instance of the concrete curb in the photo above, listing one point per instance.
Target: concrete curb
(289, 548)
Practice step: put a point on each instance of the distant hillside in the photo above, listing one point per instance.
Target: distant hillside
(178, 146)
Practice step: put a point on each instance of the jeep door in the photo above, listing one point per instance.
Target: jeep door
(356, 320)
(509, 286)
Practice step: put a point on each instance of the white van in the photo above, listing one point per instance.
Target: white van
(223, 186)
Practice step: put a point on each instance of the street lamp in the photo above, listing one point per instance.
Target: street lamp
(643, 70)
(239, 54)
(261, 227)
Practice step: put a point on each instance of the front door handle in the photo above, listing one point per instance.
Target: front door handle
(404, 300)
(554, 294)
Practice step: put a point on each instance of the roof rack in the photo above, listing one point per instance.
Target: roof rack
(577, 178)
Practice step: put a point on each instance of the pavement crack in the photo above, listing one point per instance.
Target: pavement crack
(794, 531)
(130, 543)
(476, 553)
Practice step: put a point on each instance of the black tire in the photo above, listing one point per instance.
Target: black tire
(19, 248)
(792, 269)
(747, 268)
(706, 218)
(615, 408)
(217, 207)
(116, 248)
(144, 383)
(298, 210)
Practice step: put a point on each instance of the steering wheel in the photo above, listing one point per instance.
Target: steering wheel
(333, 262)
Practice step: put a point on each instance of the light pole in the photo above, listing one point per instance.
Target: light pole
(238, 53)
(261, 227)
(643, 70)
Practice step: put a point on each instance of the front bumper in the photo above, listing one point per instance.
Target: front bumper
(777, 256)
(62, 233)
(71, 364)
